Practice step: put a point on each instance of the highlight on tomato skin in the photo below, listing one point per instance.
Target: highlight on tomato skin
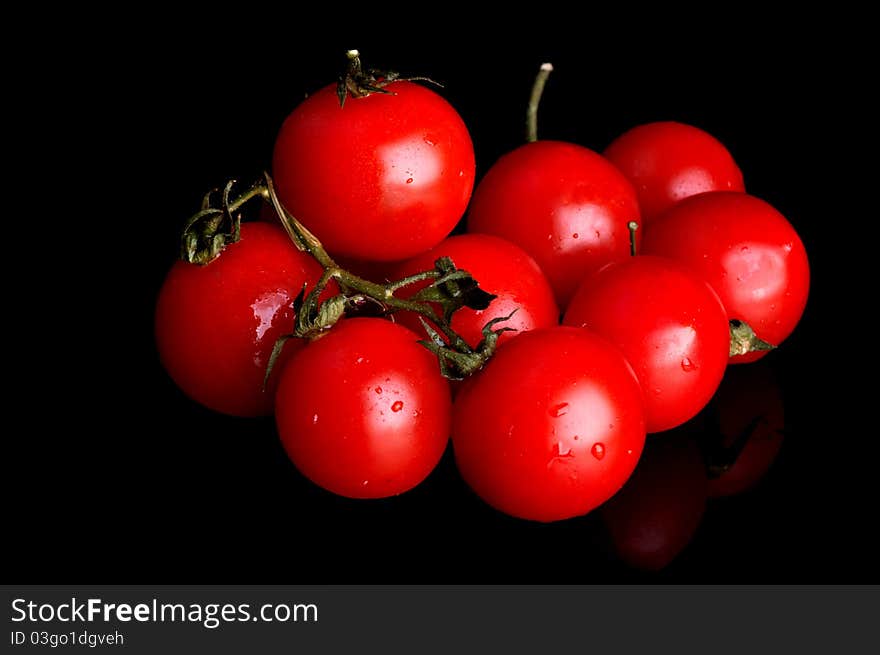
(363, 411)
(670, 326)
(383, 178)
(565, 205)
(657, 513)
(216, 325)
(502, 269)
(747, 251)
(551, 427)
(668, 161)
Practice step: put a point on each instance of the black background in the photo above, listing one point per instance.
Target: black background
(114, 475)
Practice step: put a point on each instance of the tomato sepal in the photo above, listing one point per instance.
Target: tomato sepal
(743, 339)
(216, 224)
(458, 364)
(359, 83)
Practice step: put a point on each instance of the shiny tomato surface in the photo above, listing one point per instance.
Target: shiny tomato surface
(552, 426)
(670, 326)
(363, 410)
(383, 178)
(565, 205)
(747, 251)
(668, 162)
(216, 324)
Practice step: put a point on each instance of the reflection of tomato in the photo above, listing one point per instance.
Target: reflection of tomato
(502, 269)
(670, 326)
(667, 162)
(551, 427)
(565, 205)
(747, 251)
(657, 512)
(363, 410)
(383, 178)
(748, 407)
(216, 324)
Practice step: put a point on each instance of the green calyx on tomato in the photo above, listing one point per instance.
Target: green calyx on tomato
(216, 224)
(743, 339)
(359, 83)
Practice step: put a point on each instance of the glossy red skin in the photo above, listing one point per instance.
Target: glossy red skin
(565, 205)
(525, 428)
(363, 411)
(749, 399)
(383, 178)
(747, 251)
(656, 514)
(502, 269)
(667, 162)
(216, 324)
(670, 326)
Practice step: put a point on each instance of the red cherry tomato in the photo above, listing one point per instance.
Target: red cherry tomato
(363, 410)
(667, 162)
(748, 407)
(383, 178)
(566, 206)
(552, 426)
(747, 251)
(216, 324)
(502, 269)
(658, 511)
(670, 326)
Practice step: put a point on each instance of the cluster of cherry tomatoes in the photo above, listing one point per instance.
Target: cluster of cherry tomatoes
(628, 282)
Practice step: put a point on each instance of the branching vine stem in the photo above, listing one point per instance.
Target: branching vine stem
(384, 293)
(448, 290)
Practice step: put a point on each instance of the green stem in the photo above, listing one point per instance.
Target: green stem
(384, 293)
(632, 226)
(534, 101)
(255, 190)
(301, 237)
(412, 279)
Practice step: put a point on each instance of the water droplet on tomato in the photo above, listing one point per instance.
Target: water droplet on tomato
(559, 410)
(397, 406)
(576, 437)
(562, 450)
(360, 360)
(315, 419)
(428, 141)
(575, 235)
(598, 450)
(365, 482)
(378, 389)
(744, 249)
(687, 365)
(409, 180)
